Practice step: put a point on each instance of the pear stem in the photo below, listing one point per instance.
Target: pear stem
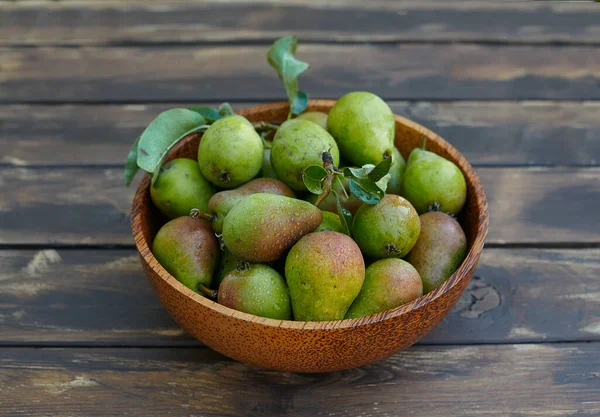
(263, 126)
(328, 183)
(212, 294)
(424, 142)
(337, 177)
(197, 214)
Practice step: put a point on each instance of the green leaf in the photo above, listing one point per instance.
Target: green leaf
(366, 190)
(281, 56)
(162, 134)
(210, 114)
(344, 215)
(362, 172)
(225, 110)
(300, 103)
(313, 177)
(131, 167)
(380, 170)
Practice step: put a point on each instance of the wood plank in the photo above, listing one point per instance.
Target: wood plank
(540, 133)
(218, 73)
(85, 297)
(150, 22)
(494, 381)
(91, 205)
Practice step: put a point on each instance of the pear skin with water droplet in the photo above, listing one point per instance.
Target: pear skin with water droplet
(389, 283)
(440, 249)
(221, 203)
(188, 249)
(325, 272)
(256, 289)
(262, 227)
(388, 229)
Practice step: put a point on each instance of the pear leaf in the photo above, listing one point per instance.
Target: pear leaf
(344, 215)
(210, 114)
(313, 177)
(366, 190)
(162, 134)
(380, 170)
(131, 167)
(225, 110)
(282, 57)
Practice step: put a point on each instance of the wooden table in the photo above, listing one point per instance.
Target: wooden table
(515, 86)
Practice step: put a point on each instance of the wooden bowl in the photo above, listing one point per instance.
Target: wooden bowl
(312, 346)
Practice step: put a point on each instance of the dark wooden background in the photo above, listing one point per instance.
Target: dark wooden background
(514, 85)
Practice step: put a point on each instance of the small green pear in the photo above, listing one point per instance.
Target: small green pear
(440, 249)
(396, 173)
(331, 222)
(297, 145)
(188, 249)
(230, 152)
(262, 227)
(325, 272)
(432, 182)
(222, 202)
(317, 117)
(180, 187)
(363, 126)
(388, 229)
(389, 283)
(256, 289)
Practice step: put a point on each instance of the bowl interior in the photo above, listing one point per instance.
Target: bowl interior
(473, 218)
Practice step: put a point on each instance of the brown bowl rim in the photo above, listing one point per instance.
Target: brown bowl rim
(459, 275)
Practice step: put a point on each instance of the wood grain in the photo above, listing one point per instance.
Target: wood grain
(218, 73)
(92, 206)
(495, 381)
(499, 133)
(84, 297)
(150, 22)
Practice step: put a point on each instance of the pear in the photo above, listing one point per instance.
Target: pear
(188, 249)
(388, 229)
(350, 203)
(227, 263)
(230, 152)
(256, 289)
(221, 203)
(180, 187)
(317, 117)
(325, 272)
(440, 249)
(389, 283)
(397, 169)
(297, 145)
(262, 227)
(331, 222)
(266, 171)
(363, 126)
(432, 182)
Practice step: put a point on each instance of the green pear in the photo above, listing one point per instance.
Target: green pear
(350, 203)
(267, 171)
(432, 182)
(256, 289)
(180, 187)
(331, 222)
(388, 229)
(389, 283)
(396, 173)
(317, 117)
(298, 144)
(230, 152)
(227, 263)
(188, 249)
(262, 227)
(440, 249)
(222, 202)
(325, 272)
(363, 126)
